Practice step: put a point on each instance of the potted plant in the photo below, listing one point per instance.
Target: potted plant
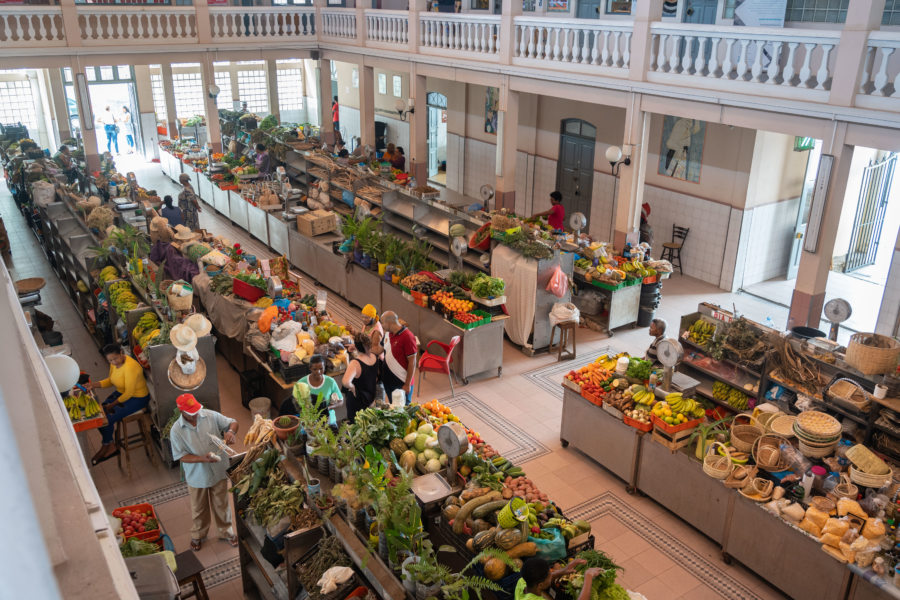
(296, 442)
(460, 586)
(427, 574)
(325, 445)
(393, 246)
(707, 433)
(285, 426)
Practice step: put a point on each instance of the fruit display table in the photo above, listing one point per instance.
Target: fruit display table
(600, 436)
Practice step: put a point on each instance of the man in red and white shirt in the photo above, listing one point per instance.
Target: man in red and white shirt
(400, 352)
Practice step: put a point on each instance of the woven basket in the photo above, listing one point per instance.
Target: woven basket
(177, 302)
(845, 489)
(848, 392)
(826, 505)
(872, 354)
(865, 461)
(868, 480)
(758, 489)
(767, 453)
(743, 435)
(740, 475)
(816, 451)
(715, 465)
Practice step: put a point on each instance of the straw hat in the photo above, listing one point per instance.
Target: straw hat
(183, 338)
(199, 323)
(180, 380)
(183, 234)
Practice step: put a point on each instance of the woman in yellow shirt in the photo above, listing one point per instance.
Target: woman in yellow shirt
(131, 395)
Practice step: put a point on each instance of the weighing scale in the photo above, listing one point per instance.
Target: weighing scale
(670, 353)
(837, 311)
(433, 487)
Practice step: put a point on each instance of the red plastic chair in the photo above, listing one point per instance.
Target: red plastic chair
(436, 363)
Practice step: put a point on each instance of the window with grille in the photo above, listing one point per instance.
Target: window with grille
(188, 88)
(816, 11)
(290, 89)
(728, 9)
(159, 96)
(252, 90)
(17, 104)
(891, 14)
(223, 100)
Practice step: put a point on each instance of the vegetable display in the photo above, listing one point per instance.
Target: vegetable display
(484, 286)
(639, 368)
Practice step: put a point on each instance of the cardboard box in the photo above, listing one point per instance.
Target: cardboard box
(316, 222)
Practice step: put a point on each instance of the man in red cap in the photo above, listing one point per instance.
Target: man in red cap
(204, 468)
(646, 230)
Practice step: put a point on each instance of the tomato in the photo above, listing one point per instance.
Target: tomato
(141, 529)
(129, 531)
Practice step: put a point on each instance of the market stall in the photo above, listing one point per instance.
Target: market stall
(777, 480)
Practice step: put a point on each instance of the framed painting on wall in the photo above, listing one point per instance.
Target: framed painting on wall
(491, 106)
(557, 5)
(681, 148)
(618, 7)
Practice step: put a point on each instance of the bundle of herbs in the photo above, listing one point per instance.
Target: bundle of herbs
(794, 367)
(604, 586)
(743, 342)
(329, 553)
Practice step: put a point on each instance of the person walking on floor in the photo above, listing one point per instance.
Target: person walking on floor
(108, 120)
(204, 466)
(131, 396)
(336, 116)
(361, 377)
(401, 349)
(127, 126)
(189, 203)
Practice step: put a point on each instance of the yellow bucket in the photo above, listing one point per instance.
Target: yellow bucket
(512, 514)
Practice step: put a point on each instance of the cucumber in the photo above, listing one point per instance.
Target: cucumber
(486, 509)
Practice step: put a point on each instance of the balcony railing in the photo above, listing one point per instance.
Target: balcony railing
(551, 43)
(388, 28)
(32, 26)
(780, 59)
(102, 26)
(450, 34)
(792, 64)
(238, 23)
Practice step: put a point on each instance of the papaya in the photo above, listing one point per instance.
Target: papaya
(494, 569)
(525, 549)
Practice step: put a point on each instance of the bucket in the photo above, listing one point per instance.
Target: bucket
(313, 488)
(510, 515)
(321, 300)
(261, 406)
(381, 269)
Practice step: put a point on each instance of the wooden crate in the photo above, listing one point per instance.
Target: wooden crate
(316, 223)
(672, 441)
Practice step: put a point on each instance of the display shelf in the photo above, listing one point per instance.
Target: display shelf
(736, 379)
(705, 390)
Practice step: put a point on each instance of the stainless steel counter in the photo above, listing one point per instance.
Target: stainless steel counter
(257, 223)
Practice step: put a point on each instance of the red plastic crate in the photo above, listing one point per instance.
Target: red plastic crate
(673, 428)
(151, 535)
(597, 400)
(637, 424)
(248, 292)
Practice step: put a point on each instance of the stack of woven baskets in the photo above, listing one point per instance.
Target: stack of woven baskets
(867, 469)
(818, 432)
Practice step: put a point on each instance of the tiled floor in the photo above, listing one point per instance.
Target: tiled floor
(664, 558)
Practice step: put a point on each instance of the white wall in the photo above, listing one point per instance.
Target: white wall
(770, 238)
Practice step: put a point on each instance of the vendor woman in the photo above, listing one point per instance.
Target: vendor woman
(556, 215)
(263, 160)
(321, 386)
(131, 396)
(658, 332)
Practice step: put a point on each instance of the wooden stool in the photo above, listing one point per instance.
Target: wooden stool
(189, 572)
(140, 438)
(566, 331)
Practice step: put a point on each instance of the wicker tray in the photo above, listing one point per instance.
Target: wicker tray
(848, 393)
(865, 461)
(783, 425)
(818, 424)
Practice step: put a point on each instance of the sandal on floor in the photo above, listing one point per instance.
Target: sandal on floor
(195, 545)
(233, 540)
(97, 461)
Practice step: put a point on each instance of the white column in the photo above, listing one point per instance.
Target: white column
(630, 185)
(646, 13)
(511, 10)
(59, 105)
(507, 144)
(211, 110)
(851, 50)
(165, 70)
(366, 103)
(86, 116)
(418, 127)
(272, 87)
(326, 125)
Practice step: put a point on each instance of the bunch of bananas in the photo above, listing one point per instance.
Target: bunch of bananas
(122, 298)
(734, 397)
(701, 332)
(569, 529)
(687, 406)
(608, 361)
(148, 324)
(583, 263)
(91, 407)
(637, 268)
(108, 274)
(641, 395)
(82, 402)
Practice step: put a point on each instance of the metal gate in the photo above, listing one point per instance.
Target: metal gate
(873, 199)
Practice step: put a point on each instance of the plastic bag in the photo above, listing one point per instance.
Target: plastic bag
(43, 193)
(564, 312)
(553, 549)
(559, 283)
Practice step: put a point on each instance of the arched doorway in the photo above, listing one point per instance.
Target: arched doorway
(437, 137)
(575, 167)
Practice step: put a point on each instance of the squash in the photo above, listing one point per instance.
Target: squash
(472, 493)
(468, 507)
(483, 539)
(525, 549)
(470, 545)
(480, 525)
(508, 538)
(449, 512)
(485, 510)
(452, 500)
(518, 563)
(494, 569)
(398, 446)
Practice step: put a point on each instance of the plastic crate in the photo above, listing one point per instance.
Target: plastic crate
(485, 316)
(419, 299)
(673, 428)
(151, 535)
(606, 286)
(466, 326)
(646, 427)
(595, 400)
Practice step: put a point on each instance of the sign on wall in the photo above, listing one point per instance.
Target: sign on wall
(759, 13)
(491, 107)
(681, 150)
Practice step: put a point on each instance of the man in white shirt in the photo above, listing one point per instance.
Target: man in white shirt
(108, 120)
(204, 466)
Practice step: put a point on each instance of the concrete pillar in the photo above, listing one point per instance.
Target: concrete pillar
(851, 51)
(366, 103)
(211, 110)
(630, 184)
(417, 153)
(70, 22)
(645, 13)
(511, 9)
(86, 117)
(165, 70)
(325, 123)
(204, 26)
(272, 87)
(415, 7)
(507, 144)
(59, 106)
(812, 276)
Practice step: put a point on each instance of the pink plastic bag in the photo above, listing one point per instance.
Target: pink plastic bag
(559, 283)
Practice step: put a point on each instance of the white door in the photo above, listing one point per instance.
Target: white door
(809, 182)
(434, 119)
